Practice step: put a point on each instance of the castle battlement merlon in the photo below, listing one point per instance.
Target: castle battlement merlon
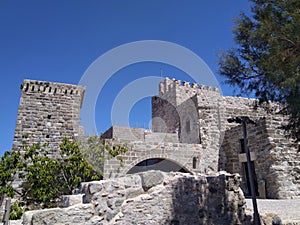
(170, 84)
(52, 88)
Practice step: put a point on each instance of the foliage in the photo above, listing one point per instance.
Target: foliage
(267, 61)
(9, 165)
(46, 178)
(93, 152)
(115, 150)
(97, 150)
(16, 210)
(49, 178)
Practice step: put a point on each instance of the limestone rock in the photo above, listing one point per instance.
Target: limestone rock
(151, 179)
(170, 198)
(77, 214)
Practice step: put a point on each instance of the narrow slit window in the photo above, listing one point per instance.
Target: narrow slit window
(194, 162)
(242, 149)
(188, 126)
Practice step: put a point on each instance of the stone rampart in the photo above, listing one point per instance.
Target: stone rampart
(151, 198)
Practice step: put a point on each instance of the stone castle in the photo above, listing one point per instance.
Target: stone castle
(190, 133)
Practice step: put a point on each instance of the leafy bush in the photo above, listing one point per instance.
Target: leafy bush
(16, 210)
(9, 165)
(49, 178)
(46, 178)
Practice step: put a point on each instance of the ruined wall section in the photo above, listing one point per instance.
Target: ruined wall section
(47, 112)
(235, 160)
(151, 198)
(275, 157)
(285, 161)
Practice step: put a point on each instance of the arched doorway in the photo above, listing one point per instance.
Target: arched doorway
(164, 165)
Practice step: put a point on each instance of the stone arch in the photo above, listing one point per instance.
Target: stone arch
(164, 161)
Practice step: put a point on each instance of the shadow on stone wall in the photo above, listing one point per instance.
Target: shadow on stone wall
(208, 200)
(275, 159)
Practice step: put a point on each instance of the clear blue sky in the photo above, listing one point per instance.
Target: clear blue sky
(58, 40)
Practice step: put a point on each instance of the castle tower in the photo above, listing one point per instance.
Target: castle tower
(47, 112)
(179, 108)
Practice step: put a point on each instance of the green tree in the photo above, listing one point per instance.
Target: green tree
(9, 165)
(267, 60)
(46, 178)
(93, 151)
(74, 167)
(96, 150)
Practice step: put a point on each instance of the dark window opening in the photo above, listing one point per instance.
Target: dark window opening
(242, 142)
(194, 162)
(157, 164)
(188, 126)
(49, 116)
(47, 136)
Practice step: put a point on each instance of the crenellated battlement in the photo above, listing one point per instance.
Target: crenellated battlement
(54, 110)
(46, 87)
(170, 84)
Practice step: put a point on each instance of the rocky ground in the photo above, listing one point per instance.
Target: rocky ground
(154, 197)
(287, 209)
(150, 198)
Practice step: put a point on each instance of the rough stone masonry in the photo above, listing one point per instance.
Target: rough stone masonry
(189, 132)
(151, 197)
(47, 112)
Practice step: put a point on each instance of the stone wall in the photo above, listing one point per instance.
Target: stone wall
(152, 145)
(161, 111)
(190, 129)
(47, 112)
(178, 153)
(277, 160)
(151, 198)
(138, 134)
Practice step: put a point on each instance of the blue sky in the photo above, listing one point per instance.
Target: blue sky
(58, 41)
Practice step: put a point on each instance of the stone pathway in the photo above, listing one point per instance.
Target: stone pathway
(288, 209)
